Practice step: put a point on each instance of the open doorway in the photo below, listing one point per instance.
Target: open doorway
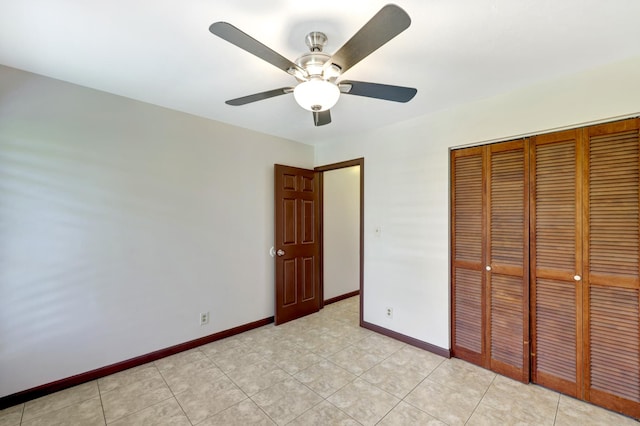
(342, 244)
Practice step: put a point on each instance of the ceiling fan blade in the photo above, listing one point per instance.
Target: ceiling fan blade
(259, 96)
(244, 41)
(321, 118)
(390, 21)
(379, 91)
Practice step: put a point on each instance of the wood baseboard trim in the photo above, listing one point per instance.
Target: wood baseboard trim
(341, 297)
(408, 340)
(58, 385)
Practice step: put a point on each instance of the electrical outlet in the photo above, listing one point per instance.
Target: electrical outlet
(204, 318)
(389, 312)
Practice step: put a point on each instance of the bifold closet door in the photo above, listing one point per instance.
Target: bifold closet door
(490, 257)
(556, 261)
(468, 254)
(585, 261)
(507, 277)
(612, 259)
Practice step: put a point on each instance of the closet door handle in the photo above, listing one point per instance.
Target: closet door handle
(488, 268)
(577, 277)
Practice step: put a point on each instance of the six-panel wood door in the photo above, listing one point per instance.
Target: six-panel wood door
(297, 243)
(490, 225)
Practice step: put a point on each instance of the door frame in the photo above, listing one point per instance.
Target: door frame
(326, 168)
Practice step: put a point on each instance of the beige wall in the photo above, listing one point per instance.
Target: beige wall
(119, 223)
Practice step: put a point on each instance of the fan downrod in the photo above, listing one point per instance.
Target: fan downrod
(316, 41)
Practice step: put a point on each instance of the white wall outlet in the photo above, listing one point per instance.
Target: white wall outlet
(389, 312)
(204, 318)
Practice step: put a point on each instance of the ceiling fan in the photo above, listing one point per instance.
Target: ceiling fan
(317, 73)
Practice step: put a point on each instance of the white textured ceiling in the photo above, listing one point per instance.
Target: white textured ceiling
(455, 51)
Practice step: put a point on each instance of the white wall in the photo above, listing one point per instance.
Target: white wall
(407, 185)
(341, 231)
(119, 223)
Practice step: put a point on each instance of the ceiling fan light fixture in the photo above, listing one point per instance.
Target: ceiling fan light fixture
(316, 94)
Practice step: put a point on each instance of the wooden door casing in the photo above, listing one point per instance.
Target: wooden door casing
(297, 239)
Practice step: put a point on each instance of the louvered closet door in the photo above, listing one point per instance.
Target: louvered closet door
(612, 332)
(490, 257)
(468, 254)
(508, 259)
(556, 261)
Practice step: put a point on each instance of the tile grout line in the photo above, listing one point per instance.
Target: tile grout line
(224, 373)
(69, 404)
(481, 398)
(555, 417)
(359, 376)
(323, 358)
(250, 397)
(104, 416)
(144, 408)
(416, 386)
(326, 358)
(172, 392)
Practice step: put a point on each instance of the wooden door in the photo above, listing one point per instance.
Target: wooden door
(489, 273)
(297, 243)
(507, 269)
(468, 254)
(556, 261)
(612, 259)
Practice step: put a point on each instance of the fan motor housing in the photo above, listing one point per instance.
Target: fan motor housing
(314, 61)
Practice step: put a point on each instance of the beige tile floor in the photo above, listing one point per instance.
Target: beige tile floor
(319, 370)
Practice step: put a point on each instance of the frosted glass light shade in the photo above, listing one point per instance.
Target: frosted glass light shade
(316, 95)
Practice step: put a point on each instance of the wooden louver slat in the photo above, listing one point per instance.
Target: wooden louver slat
(468, 310)
(615, 341)
(506, 320)
(468, 208)
(613, 204)
(556, 329)
(507, 208)
(555, 206)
